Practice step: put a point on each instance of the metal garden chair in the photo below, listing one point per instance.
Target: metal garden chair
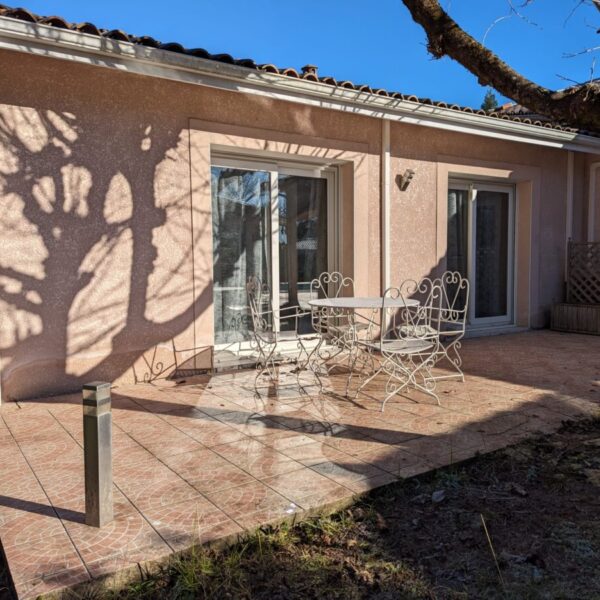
(449, 318)
(408, 344)
(268, 337)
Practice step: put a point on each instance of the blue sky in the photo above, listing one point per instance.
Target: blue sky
(372, 41)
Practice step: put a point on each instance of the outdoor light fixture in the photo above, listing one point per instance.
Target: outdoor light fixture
(404, 179)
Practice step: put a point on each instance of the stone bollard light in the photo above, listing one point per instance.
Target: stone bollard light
(97, 452)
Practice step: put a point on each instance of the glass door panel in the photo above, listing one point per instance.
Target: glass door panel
(491, 254)
(457, 257)
(241, 208)
(303, 244)
(480, 247)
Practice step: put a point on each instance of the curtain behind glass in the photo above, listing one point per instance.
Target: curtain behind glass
(458, 232)
(458, 228)
(491, 254)
(241, 238)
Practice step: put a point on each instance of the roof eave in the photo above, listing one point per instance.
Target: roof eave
(43, 40)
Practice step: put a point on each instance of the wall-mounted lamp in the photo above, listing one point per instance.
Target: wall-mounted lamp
(405, 179)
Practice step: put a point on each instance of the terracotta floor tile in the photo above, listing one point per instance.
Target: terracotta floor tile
(191, 522)
(362, 486)
(151, 484)
(41, 585)
(42, 558)
(396, 461)
(24, 521)
(434, 449)
(254, 503)
(315, 453)
(207, 471)
(249, 423)
(257, 459)
(348, 469)
(204, 429)
(307, 488)
(128, 535)
(285, 440)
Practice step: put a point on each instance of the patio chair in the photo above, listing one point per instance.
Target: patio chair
(449, 318)
(268, 337)
(333, 325)
(408, 344)
(338, 328)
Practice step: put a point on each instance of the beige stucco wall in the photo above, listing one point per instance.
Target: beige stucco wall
(540, 179)
(105, 224)
(105, 216)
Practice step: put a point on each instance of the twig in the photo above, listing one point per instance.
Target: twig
(492, 549)
(586, 51)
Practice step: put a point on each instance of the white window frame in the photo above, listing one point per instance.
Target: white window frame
(276, 167)
(473, 187)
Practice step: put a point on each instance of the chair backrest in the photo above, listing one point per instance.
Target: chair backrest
(449, 314)
(330, 285)
(259, 300)
(412, 323)
(455, 302)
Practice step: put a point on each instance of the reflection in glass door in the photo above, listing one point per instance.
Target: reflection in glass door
(480, 246)
(272, 222)
(241, 206)
(302, 239)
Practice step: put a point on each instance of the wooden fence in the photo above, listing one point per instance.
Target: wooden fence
(583, 277)
(581, 312)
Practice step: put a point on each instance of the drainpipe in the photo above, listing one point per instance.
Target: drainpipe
(385, 204)
(569, 217)
(592, 202)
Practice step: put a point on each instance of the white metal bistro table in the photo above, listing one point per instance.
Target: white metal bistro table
(352, 303)
(362, 302)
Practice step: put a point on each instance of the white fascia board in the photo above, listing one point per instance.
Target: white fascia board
(44, 40)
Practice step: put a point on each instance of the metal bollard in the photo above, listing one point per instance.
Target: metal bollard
(97, 451)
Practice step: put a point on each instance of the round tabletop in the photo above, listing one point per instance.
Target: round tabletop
(352, 302)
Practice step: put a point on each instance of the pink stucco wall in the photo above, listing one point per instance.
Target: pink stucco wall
(105, 264)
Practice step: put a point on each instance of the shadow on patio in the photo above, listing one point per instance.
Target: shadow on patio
(207, 459)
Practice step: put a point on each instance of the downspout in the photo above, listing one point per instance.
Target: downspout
(385, 204)
(569, 216)
(592, 202)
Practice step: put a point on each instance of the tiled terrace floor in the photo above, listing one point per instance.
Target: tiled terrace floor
(207, 459)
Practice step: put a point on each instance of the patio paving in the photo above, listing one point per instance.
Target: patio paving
(205, 459)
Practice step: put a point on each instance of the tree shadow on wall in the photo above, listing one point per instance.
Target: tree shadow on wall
(97, 266)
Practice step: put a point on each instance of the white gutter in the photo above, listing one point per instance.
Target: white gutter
(44, 40)
(385, 204)
(592, 202)
(569, 215)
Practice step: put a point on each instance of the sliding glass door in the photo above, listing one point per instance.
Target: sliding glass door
(481, 247)
(274, 222)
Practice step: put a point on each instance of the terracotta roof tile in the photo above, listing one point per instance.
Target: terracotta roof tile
(508, 112)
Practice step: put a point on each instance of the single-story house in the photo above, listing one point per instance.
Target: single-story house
(141, 183)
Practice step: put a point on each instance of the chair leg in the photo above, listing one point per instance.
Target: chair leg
(308, 364)
(454, 361)
(405, 373)
(265, 363)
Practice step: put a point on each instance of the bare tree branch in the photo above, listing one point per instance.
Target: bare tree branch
(578, 105)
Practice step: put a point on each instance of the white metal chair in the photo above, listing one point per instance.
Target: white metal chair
(338, 328)
(333, 325)
(268, 337)
(449, 318)
(408, 344)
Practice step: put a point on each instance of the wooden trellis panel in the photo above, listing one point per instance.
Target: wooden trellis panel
(583, 285)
